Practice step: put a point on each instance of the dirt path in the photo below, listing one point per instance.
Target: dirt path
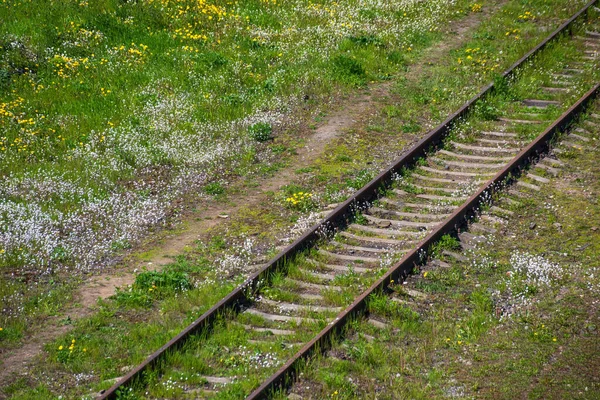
(352, 110)
(350, 113)
(103, 286)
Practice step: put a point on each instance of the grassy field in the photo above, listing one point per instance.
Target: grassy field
(113, 111)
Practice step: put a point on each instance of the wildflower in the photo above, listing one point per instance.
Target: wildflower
(60, 347)
(425, 274)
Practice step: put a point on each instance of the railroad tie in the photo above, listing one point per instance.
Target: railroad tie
(540, 103)
(483, 149)
(384, 231)
(373, 239)
(537, 178)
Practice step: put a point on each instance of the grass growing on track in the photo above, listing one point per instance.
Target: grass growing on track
(461, 346)
(380, 360)
(459, 342)
(488, 328)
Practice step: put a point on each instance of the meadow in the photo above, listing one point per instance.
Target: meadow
(111, 110)
(114, 113)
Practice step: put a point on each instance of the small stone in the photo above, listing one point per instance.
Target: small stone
(591, 328)
(594, 228)
(532, 225)
(557, 225)
(224, 216)
(384, 224)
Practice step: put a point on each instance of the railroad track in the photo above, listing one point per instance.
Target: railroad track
(303, 298)
(420, 296)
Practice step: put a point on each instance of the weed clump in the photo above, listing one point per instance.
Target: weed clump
(151, 285)
(214, 188)
(301, 201)
(261, 131)
(487, 112)
(349, 71)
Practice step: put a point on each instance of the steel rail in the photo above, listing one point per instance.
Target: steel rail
(415, 257)
(337, 219)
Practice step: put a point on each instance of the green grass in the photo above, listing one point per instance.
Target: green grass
(467, 288)
(136, 91)
(113, 112)
(120, 330)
